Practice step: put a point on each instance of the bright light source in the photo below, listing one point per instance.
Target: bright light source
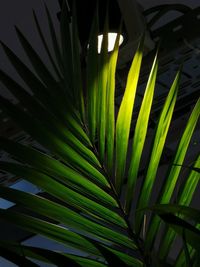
(111, 41)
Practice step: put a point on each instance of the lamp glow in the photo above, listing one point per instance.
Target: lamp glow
(111, 41)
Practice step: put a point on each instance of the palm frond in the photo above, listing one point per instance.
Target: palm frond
(87, 177)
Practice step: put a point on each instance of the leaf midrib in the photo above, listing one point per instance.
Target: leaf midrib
(115, 195)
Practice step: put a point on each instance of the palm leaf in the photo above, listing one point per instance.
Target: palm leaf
(63, 193)
(167, 213)
(64, 215)
(86, 203)
(66, 49)
(59, 171)
(158, 144)
(15, 257)
(77, 83)
(52, 231)
(22, 252)
(184, 198)
(56, 47)
(172, 176)
(110, 127)
(124, 118)
(102, 91)
(57, 71)
(140, 134)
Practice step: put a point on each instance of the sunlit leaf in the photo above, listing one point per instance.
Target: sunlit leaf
(124, 117)
(140, 134)
(156, 152)
(110, 127)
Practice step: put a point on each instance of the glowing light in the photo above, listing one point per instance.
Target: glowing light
(111, 41)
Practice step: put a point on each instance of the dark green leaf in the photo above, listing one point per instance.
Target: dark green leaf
(46, 138)
(17, 259)
(52, 231)
(92, 79)
(64, 215)
(54, 40)
(112, 259)
(56, 169)
(46, 46)
(67, 49)
(63, 193)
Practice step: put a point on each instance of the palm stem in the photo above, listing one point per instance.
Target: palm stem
(115, 195)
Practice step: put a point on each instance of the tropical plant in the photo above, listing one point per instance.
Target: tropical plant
(90, 183)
